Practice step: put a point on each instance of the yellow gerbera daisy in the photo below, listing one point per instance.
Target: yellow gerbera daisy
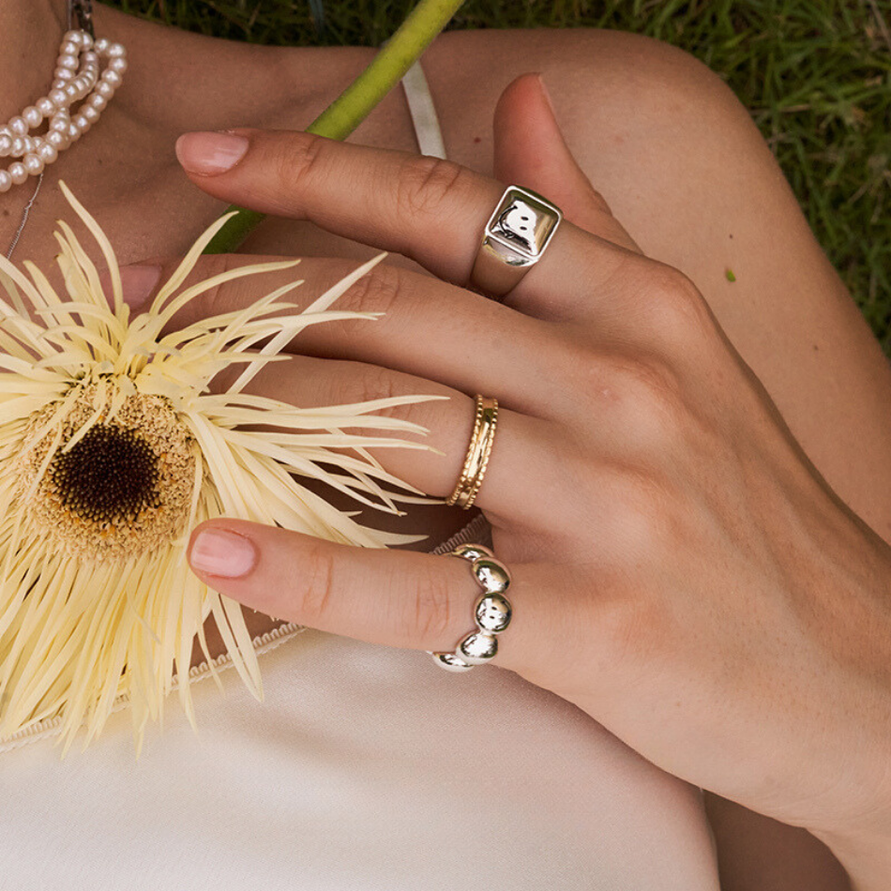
(112, 448)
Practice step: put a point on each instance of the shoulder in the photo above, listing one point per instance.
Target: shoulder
(178, 80)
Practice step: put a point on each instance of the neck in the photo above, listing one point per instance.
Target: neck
(30, 33)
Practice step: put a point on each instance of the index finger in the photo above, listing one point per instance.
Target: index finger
(428, 209)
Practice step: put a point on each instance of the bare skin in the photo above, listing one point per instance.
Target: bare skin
(670, 149)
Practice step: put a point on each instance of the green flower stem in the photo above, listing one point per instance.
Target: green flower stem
(357, 101)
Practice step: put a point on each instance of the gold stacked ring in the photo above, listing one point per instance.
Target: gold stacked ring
(478, 453)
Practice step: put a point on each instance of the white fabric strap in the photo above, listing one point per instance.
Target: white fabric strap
(423, 112)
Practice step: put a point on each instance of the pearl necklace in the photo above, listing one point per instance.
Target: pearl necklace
(77, 79)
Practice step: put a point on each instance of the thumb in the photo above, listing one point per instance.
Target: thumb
(530, 151)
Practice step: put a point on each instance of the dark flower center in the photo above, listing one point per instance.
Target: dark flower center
(124, 488)
(111, 474)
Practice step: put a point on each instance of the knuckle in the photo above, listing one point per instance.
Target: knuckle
(318, 583)
(378, 291)
(642, 393)
(426, 185)
(432, 615)
(653, 393)
(677, 310)
(376, 382)
(294, 160)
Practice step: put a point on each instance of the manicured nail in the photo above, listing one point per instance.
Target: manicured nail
(546, 94)
(138, 283)
(222, 553)
(210, 153)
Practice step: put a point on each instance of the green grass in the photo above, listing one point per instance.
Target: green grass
(815, 75)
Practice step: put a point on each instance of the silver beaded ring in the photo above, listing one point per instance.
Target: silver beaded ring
(492, 612)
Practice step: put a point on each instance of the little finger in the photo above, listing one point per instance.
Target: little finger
(396, 598)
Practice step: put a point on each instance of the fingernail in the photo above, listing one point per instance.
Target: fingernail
(222, 553)
(138, 282)
(546, 94)
(210, 153)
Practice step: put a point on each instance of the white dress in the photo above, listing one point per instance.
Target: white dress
(365, 768)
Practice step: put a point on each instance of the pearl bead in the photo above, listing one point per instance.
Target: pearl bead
(18, 173)
(48, 153)
(33, 164)
(79, 77)
(33, 116)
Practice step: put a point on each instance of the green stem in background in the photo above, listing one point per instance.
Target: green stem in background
(358, 100)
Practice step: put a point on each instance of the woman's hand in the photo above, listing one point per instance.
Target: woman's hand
(680, 570)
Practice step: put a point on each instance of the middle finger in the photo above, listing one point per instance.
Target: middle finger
(429, 328)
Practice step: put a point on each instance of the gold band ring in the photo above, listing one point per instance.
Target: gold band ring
(477, 453)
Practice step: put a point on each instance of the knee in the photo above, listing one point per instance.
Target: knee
(638, 89)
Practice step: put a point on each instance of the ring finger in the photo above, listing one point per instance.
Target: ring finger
(432, 462)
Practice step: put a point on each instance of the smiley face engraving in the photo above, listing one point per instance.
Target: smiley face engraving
(518, 224)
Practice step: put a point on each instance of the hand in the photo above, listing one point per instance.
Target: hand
(680, 570)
